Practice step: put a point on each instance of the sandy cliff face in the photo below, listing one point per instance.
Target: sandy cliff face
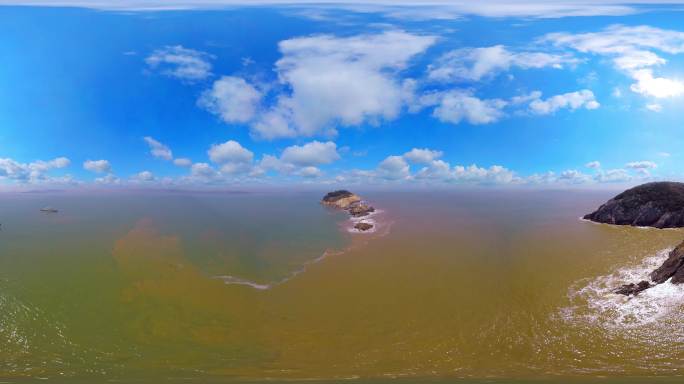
(340, 199)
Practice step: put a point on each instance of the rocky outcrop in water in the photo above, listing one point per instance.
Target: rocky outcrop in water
(351, 203)
(363, 226)
(659, 205)
(341, 199)
(672, 269)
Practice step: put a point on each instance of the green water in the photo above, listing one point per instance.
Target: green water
(468, 286)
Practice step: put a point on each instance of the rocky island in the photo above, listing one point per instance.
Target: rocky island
(351, 203)
(658, 205)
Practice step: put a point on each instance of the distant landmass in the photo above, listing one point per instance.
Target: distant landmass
(659, 205)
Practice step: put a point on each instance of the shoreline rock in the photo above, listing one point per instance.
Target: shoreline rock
(672, 269)
(363, 226)
(658, 205)
(352, 203)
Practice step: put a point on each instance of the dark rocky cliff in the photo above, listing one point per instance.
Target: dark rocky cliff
(659, 205)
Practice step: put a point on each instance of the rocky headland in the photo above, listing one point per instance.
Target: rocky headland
(353, 204)
(658, 205)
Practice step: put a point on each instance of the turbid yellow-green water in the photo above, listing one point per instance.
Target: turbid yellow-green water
(477, 285)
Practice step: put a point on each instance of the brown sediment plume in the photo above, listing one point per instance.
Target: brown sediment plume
(166, 293)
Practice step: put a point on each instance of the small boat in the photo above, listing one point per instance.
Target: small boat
(49, 210)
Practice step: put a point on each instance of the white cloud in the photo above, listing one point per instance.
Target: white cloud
(654, 107)
(658, 87)
(310, 172)
(232, 99)
(182, 162)
(436, 169)
(108, 179)
(572, 100)
(472, 64)
(158, 149)
(593, 165)
(182, 63)
(523, 99)
(339, 82)
(632, 51)
(422, 156)
(144, 176)
(411, 9)
(202, 171)
(313, 153)
(641, 165)
(495, 174)
(613, 176)
(456, 106)
(230, 152)
(98, 166)
(574, 176)
(393, 167)
(31, 172)
(664, 154)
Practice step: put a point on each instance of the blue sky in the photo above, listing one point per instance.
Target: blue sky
(147, 93)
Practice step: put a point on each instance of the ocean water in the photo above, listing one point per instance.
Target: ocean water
(453, 286)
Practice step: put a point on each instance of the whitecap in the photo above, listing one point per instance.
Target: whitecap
(595, 301)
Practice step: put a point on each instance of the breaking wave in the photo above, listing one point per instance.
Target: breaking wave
(593, 301)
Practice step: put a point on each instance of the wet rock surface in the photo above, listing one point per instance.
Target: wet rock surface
(633, 289)
(659, 205)
(363, 226)
(672, 269)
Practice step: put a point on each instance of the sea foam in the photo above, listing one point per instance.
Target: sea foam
(594, 300)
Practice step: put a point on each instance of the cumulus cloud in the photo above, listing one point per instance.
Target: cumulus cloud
(202, 171)
(572, 100)
(144, 176)
(456, 106)
(109, 179)
(233, 157)
(473, 64)
(613, 176)
(632, 50)
(422, 155)
(180, 62)
(158, 149)
(593, 165)
(658, 87)
(182, 162)
(495, 174)
(231, 98)
(30, 172)
(310, 172)
(339, 82)
(313, 153)
(393, 167)
(97, 166)
(641, 165)
(230, 151)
